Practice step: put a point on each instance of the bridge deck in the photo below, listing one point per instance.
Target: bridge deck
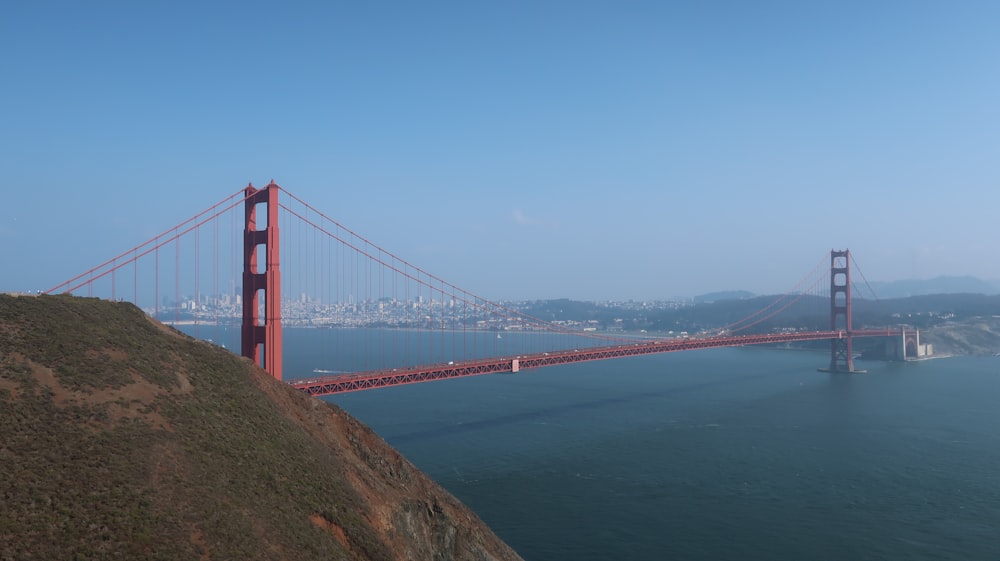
(357, 381)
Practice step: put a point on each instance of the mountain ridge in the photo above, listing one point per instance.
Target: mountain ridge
(903, 288)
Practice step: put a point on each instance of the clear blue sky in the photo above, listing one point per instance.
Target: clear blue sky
(517, 149)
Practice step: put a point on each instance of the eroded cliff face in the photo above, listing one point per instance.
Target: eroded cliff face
(120, 437)
(413, 515)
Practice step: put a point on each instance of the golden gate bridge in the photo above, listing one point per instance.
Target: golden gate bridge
(429, 329)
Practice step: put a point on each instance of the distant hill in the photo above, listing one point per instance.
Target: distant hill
(939, 285)
(723, 295)
(121, 438)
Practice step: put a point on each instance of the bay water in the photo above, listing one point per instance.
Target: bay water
(742, 453)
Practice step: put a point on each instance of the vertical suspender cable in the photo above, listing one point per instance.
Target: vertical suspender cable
(156, 277)
(177, 277)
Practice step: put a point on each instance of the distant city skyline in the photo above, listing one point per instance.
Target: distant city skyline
(518, 150)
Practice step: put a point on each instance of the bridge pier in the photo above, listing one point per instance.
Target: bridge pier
(907, 346)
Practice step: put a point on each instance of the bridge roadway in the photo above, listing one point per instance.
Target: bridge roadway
(343, 383)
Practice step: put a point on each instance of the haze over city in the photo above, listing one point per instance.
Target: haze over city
(519, 150)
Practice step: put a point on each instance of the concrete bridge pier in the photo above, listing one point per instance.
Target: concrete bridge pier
(907, 346)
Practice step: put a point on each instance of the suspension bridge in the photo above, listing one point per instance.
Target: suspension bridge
(293, 266)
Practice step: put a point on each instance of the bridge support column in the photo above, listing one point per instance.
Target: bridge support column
(895, 348)
(263, 335)
(908, 346)
(841, 351)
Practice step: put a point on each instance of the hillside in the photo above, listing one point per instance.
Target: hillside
(978, 336)
(122, 438)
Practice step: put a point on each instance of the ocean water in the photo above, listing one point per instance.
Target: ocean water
(741, 453)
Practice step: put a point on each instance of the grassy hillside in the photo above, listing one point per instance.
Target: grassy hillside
(970, 337)
(122, 438)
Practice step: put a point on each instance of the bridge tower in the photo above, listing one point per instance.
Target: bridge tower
(841, 352)
(263, 335)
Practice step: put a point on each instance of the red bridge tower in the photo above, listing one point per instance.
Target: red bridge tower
(841, 352)
(266, 334)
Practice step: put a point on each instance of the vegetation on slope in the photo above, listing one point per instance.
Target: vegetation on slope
(122, 438)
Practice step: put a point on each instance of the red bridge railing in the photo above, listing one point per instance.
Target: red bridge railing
(343, 383)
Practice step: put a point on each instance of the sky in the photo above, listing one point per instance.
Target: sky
(582, 149)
